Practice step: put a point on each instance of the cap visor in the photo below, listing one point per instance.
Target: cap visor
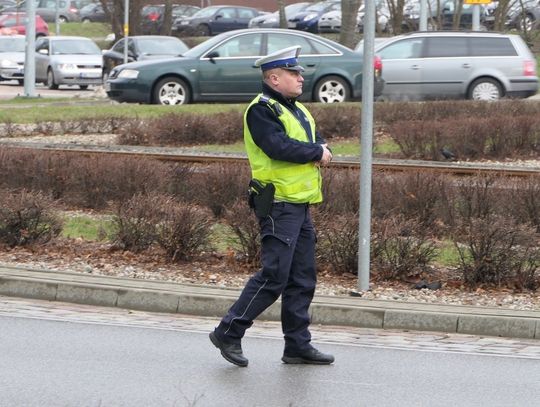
(296, 68)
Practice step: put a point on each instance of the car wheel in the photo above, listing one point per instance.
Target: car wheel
(527, 24)
(21, 81)
(331, 89)
(485, 89)
(171, 91)
(50, 80)
(86, 20)
(203, 30)
(62, 19)
(83, 87)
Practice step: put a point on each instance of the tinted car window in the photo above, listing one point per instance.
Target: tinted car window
(446, 47)
(405, 49)
(483, 47)
(280, 41)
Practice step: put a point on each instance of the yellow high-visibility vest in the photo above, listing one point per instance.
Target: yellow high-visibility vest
(295, 183)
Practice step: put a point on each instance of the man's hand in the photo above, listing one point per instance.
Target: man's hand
(327, 155)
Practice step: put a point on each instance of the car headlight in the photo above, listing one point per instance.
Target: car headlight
(6, 63)
(310, 16)
(128, 74)
(67, 67)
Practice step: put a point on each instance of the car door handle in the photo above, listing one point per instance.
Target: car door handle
(415, 67)
(310, 65)
(466, 66)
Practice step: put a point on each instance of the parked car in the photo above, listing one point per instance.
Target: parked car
(64, 60)
(222, 69)
(93, 13)
(15, 23)
(215, 19)
(442, 65)
(330, 22)
(68, 10)
(308, 19)
(12, 54)
(382, 14)
(152, 16)
(526, 18)
(6, 3)
(272, 20)
(140, 48)
(441, 16)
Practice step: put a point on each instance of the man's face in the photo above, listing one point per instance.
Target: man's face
(288, 83)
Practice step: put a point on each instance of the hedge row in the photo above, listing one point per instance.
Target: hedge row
(493, 223)
(463, 129)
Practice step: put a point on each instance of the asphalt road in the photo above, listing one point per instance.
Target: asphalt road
(11, 89)
(66, 355)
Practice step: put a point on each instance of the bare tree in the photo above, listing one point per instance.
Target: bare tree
(115, 9)
(395, 8)
(349, 11)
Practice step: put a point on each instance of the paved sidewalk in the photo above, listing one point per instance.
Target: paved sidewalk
(161, 296)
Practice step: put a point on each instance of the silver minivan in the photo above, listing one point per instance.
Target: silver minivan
(455, 65)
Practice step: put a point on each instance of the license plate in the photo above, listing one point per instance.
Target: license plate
(90, 75)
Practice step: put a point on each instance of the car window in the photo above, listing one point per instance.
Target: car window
(437, 47)
(227, 13)
(405, 49)
(279, 41)
(246, 13)
(61, 47)
(163, 46)
(131, 47)
(241, 46)
(119, 46)
(483, 47)
(10, 44)
(205, 12)
(42, 43)
(320, 48)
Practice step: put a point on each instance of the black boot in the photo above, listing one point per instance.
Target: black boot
(232, 352)
(310, 357)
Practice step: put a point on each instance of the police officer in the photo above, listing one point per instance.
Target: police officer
(285, 153)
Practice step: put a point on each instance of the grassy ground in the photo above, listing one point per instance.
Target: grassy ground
(91, 30)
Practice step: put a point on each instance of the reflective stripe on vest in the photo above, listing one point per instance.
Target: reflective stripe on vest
(296, 183)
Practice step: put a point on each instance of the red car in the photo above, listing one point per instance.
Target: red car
(15, 23)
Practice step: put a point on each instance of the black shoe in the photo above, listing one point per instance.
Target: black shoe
(310, 357)
(232, 352)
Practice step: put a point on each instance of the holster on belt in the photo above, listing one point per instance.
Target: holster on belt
(261, 197)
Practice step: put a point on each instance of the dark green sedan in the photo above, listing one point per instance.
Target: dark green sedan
(222, 69)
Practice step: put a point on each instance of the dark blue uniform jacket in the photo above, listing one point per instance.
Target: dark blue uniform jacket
(269, 133)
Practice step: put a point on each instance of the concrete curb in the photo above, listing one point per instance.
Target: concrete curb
(191, 299)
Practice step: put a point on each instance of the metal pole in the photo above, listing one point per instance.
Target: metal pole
(366, 144)
(126, 30)
(476, 17)
(57, 14)
(29, 57)
(423, 15)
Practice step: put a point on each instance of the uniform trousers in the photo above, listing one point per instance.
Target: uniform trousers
(288, 269)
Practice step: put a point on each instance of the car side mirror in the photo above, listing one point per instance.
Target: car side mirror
(218, 17)
(212, 55)
(43, 51)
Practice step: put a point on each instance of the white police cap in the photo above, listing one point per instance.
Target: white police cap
(286, 58)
